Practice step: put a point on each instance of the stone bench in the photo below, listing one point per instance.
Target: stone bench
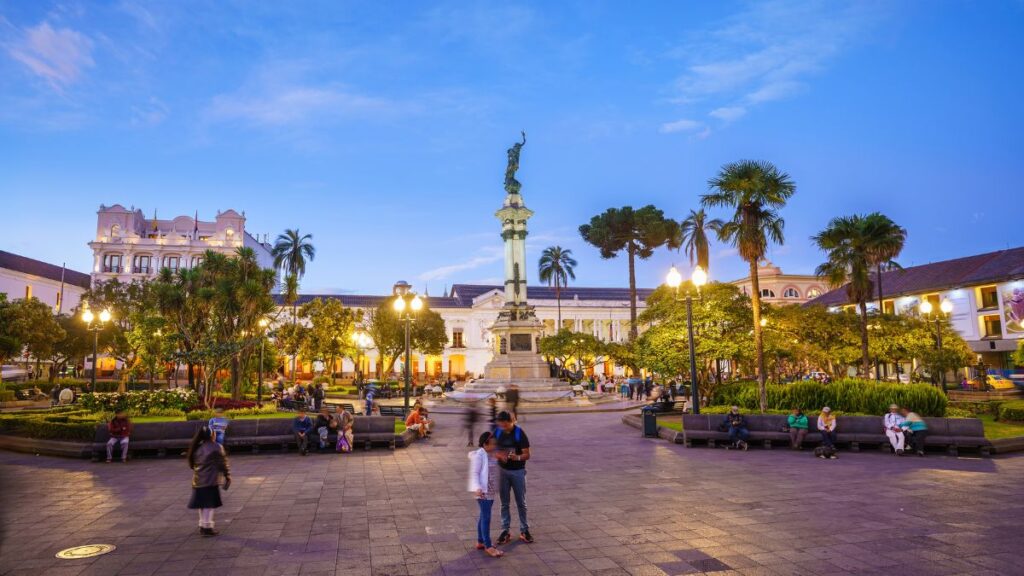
(161, 437)
(950, 434)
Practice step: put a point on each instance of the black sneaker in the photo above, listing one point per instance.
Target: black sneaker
(526, 537)
(504, 537)
(208, 532)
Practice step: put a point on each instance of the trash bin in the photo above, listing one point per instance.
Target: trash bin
(649, 417)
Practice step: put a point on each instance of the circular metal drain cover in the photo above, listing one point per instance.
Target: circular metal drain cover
(86, 551)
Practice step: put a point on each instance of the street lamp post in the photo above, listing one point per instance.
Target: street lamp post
(94, 324)
(259, 380)
(945, 308)
(405, 312)
(698, 279)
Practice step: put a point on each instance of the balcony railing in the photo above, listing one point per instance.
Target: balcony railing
(112, 269)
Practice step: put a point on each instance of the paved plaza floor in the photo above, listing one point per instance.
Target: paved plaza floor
(602, 501)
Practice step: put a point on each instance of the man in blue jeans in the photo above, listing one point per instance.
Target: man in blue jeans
(512, 453)
(736, 424)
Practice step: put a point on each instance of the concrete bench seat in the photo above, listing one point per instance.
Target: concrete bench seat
(162, 437)
(951, 434)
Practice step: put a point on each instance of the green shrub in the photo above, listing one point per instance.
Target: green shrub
(141, 402)
(236, 413)
(955, 412)
(60, 427)
(848, 395)
(6, 395)
(1012, 411)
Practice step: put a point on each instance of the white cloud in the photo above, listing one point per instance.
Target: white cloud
(683, 125)
(765, 53)
(151, 113)
(728, 113)
(483, 257)
(292, 104)
(57, 55)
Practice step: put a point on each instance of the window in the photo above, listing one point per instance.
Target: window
(196, 261)
(766, 293)
(988, 298)
(141, 264)
(889, 307)
(992, 326)
(28, 292)
(791, 293)
(112, 263)
(457, 338)
(172, 263)
(813, 293)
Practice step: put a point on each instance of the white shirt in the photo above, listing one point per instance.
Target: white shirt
(892, 421)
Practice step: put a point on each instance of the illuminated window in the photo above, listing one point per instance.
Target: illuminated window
(141, 264)
(791, 293)
(766, 293)
(813, 293)
(457, 338)
(988, 297)
(992, 326)
(112, 263)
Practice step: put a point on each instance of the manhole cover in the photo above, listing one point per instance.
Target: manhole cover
(87, 551)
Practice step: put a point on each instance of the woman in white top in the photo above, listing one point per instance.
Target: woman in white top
(893, 422)
(483, 482)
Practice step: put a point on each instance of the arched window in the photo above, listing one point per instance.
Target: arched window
(767, 293)
(791, 293)
(813, 293)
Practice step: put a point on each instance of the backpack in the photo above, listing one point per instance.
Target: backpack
(516, 431)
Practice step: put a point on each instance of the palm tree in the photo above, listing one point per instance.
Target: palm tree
(848, 244)
(292, 250)
(693, 236)
(638, 232)
(556, 267)
(755, 190)
(887, 239)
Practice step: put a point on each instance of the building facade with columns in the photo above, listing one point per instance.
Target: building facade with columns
(129, 246)
(779, 288)
(470, 310)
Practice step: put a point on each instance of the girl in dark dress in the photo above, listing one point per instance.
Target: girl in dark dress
(208, 462)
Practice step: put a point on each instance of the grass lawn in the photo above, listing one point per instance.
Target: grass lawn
(399, 425)
(995, 430)
(672, 423)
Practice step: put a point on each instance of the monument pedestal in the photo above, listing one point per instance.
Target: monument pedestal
(517, 358)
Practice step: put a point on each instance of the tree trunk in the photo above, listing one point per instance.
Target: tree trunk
(865, 359)
(236, 374)
(755, 299)
(558, 298)
(631, 250)
(191, 376)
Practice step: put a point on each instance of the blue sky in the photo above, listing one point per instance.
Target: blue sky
(381, 127)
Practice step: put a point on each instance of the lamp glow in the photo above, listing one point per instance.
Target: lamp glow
(700, 277)
(263, 322)
(105, 316)
(764, 322)
(417, 303)
(399, 304)
(674, 278)
(925, 307)
(87, 316)
(946, 306)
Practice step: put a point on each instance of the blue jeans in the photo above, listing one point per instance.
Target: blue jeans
(737, 433)
(483, 524)
(828, 438)
(514, 480)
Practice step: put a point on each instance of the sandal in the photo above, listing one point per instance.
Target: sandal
(494, 552)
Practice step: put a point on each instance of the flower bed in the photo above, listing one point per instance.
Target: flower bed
(141, 402)
(849, 395)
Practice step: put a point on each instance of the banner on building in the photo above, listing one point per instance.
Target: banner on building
(1013, 308)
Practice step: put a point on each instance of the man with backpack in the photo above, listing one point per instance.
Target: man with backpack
(512, 452)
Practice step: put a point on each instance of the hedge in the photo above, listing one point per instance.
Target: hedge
(1012, 411)
(7, 396)
(849, 395)
(58, 427)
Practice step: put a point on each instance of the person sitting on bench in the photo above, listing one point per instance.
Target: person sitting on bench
(893, 423)
(325, 424)
(797, 422)
(916, 430)
(736, 425)
(120, 428)
(827, 426)
(301, 426)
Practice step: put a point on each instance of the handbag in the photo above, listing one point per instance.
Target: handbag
(343, 445)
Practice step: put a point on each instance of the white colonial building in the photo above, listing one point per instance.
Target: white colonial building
(56, 286)
(779, 288)
(128, 246)
(469, 310)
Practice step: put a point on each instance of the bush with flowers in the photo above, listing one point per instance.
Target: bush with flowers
(141, 402)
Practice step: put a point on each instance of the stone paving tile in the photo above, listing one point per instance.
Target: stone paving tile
(602, 501)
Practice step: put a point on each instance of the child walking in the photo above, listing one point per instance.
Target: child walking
(483, 482)
(208, 462)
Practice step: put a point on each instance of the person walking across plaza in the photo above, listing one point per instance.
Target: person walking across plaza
(512, 401)
(893, 424)
(301, 427)
(208, 462)
(120, 429)
(483, 482)
(827, 427)
(470, 417)
(512, 454)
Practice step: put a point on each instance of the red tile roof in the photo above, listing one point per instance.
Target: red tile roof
(46, 270)
(990, 268)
